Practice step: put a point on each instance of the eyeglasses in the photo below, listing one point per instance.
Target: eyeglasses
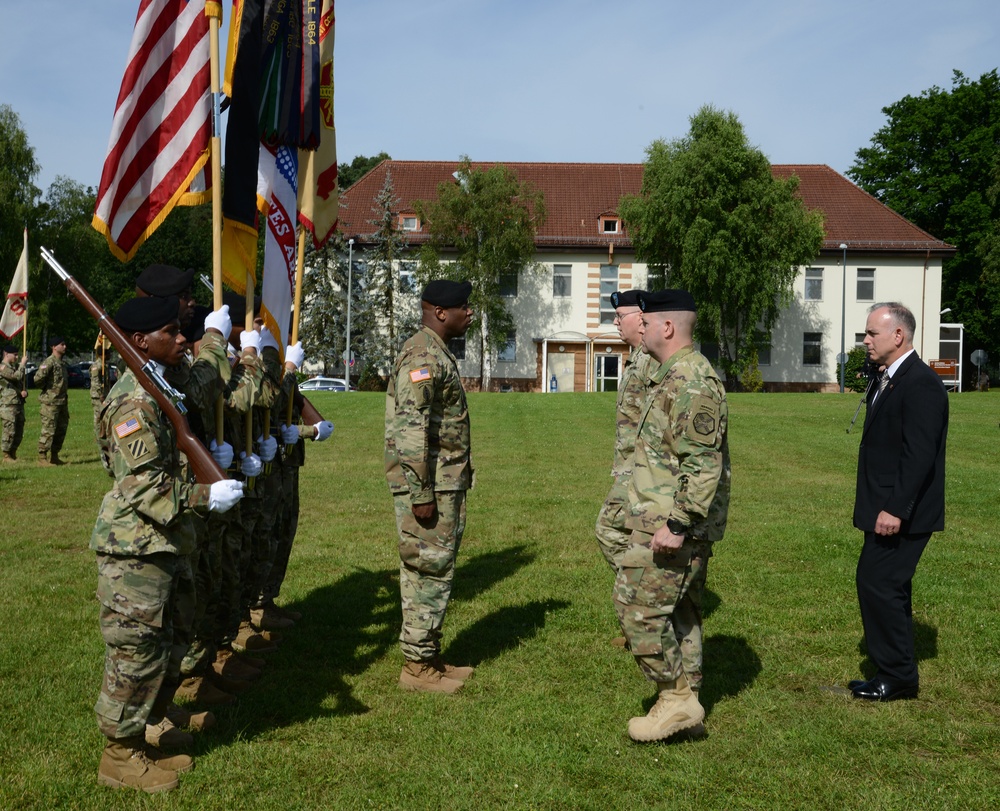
(619, 318)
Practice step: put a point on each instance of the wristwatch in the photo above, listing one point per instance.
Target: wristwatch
(676, 526)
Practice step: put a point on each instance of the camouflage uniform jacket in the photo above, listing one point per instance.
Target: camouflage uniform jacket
(632, 391)
(11, 383)
(100, 383)
(52, 378)
(681, 467)
(202, 379)
(148, 509)
(427, 434)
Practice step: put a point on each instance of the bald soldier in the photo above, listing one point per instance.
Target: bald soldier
(678, 504)
(428, 464)
(52, 378)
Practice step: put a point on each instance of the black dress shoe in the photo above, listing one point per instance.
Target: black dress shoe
(882, 688)
(854, 684)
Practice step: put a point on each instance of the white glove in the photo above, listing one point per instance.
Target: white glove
(323, 430)
(268, 448)
(289, 434)
(250, 339)
(220, 320)
(224, 495)
(223, 453)
(250, 466)
(295, 354)
(267, 339)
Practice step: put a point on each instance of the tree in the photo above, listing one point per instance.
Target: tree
(486, 223)
(350, 173)
(393, 311)
(933, 163)
(18, 193)
(712, 219)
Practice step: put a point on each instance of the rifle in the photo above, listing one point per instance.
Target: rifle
(206, 470)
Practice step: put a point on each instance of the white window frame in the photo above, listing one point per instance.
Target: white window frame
(814, 275)
(564, 276)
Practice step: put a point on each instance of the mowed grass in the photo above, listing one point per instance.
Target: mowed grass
(542, 724)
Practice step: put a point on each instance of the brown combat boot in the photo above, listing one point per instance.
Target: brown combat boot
(423, 677)
(8, 456)
(677, 709)
(172, 763)
(244, 658)
(186, 719)
(231, 666)
(248, 640)
(458, 673)
(43, 459)
(293, 615)
(199, 690)
(266, 618)
(126, 764)
(165, 733)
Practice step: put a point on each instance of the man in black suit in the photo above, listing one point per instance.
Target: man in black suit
(900, 496)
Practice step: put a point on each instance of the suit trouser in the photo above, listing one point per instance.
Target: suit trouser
(885, 584)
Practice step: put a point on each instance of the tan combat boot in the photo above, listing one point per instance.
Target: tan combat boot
(293, 615)
(232, 667)
(458, 673)
(186, 719)
(126, 764)
(676, 709)
(423, 677)
(9, 457)
(248, 640)
(243, 658)
(199, 690)
(267, 619)
(165, 733)
(43, 459)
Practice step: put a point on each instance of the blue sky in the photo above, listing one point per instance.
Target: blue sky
(548, 80)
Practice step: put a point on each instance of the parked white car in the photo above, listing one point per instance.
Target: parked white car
(325, 384)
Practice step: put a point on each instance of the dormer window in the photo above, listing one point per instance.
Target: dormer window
(610, 225)
(409, 222)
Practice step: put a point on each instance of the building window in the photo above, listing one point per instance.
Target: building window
(762, 343)
(407, 280)
(859, 339)
(812, 348)
(409, 222)
(508, 353)
(609, 284)
(814, 284)
(866, 284)
(457, 347)
(609, 225)
(562, 281)
(508, 285)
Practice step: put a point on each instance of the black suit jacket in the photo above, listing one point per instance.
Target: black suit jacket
(901, 457)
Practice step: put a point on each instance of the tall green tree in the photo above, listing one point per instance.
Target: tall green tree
(349, 173)
(484, 225)
(933, 162)
(712, 219)
(18, 193)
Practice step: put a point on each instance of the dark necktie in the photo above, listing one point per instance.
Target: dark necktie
(883, 381)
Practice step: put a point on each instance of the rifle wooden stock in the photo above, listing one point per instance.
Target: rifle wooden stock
(310, 416)
(206, 470)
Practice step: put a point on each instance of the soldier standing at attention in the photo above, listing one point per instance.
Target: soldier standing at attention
(612, 535)
(100, 377)
(52, 378)
(678, 503)
(12, 394)
(428, 465)
(142, 537)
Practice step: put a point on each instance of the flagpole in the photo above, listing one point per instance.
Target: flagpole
(294, 337)
(214, 12)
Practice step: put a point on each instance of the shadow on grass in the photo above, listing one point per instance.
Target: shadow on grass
(500, 631)
(477, 574)
(709, 602)
(731, 666)
(924, 646)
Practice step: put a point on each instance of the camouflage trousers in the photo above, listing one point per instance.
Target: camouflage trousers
(612, 536)
(53, 422)
(288, 524)
(251, 514)
(227, 592)
(658, 598)
(264, 545)
(147, 606)
(206, 565)
(13, 426)
(427, 554)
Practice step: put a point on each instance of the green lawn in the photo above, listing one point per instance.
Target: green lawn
(542, 724)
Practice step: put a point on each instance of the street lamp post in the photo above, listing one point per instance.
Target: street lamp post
(347, 341)
(843, 320)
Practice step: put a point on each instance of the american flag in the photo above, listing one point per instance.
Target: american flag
(130, 426)
(159, 147)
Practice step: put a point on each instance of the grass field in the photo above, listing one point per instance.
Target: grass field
(542, 724)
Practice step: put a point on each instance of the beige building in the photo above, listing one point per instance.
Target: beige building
(565, 339)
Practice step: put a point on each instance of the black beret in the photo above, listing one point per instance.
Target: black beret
(446, 293)
(146, 314)
(626, 298)
(164, 280)
(238, 307)
(10, 348)
(55, 340)
(666, 301)
(195, 331)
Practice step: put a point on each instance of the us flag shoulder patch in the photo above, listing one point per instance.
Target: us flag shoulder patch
(130, 426)
(420, 375)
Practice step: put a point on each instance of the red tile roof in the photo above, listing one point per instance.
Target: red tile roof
(578, 194)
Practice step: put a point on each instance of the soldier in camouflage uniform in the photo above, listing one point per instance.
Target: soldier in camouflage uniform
(142, 537)
(428, 466)
(678, 503)
(100, 377)
(612, 535)
(52, 378)
(12, 394)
